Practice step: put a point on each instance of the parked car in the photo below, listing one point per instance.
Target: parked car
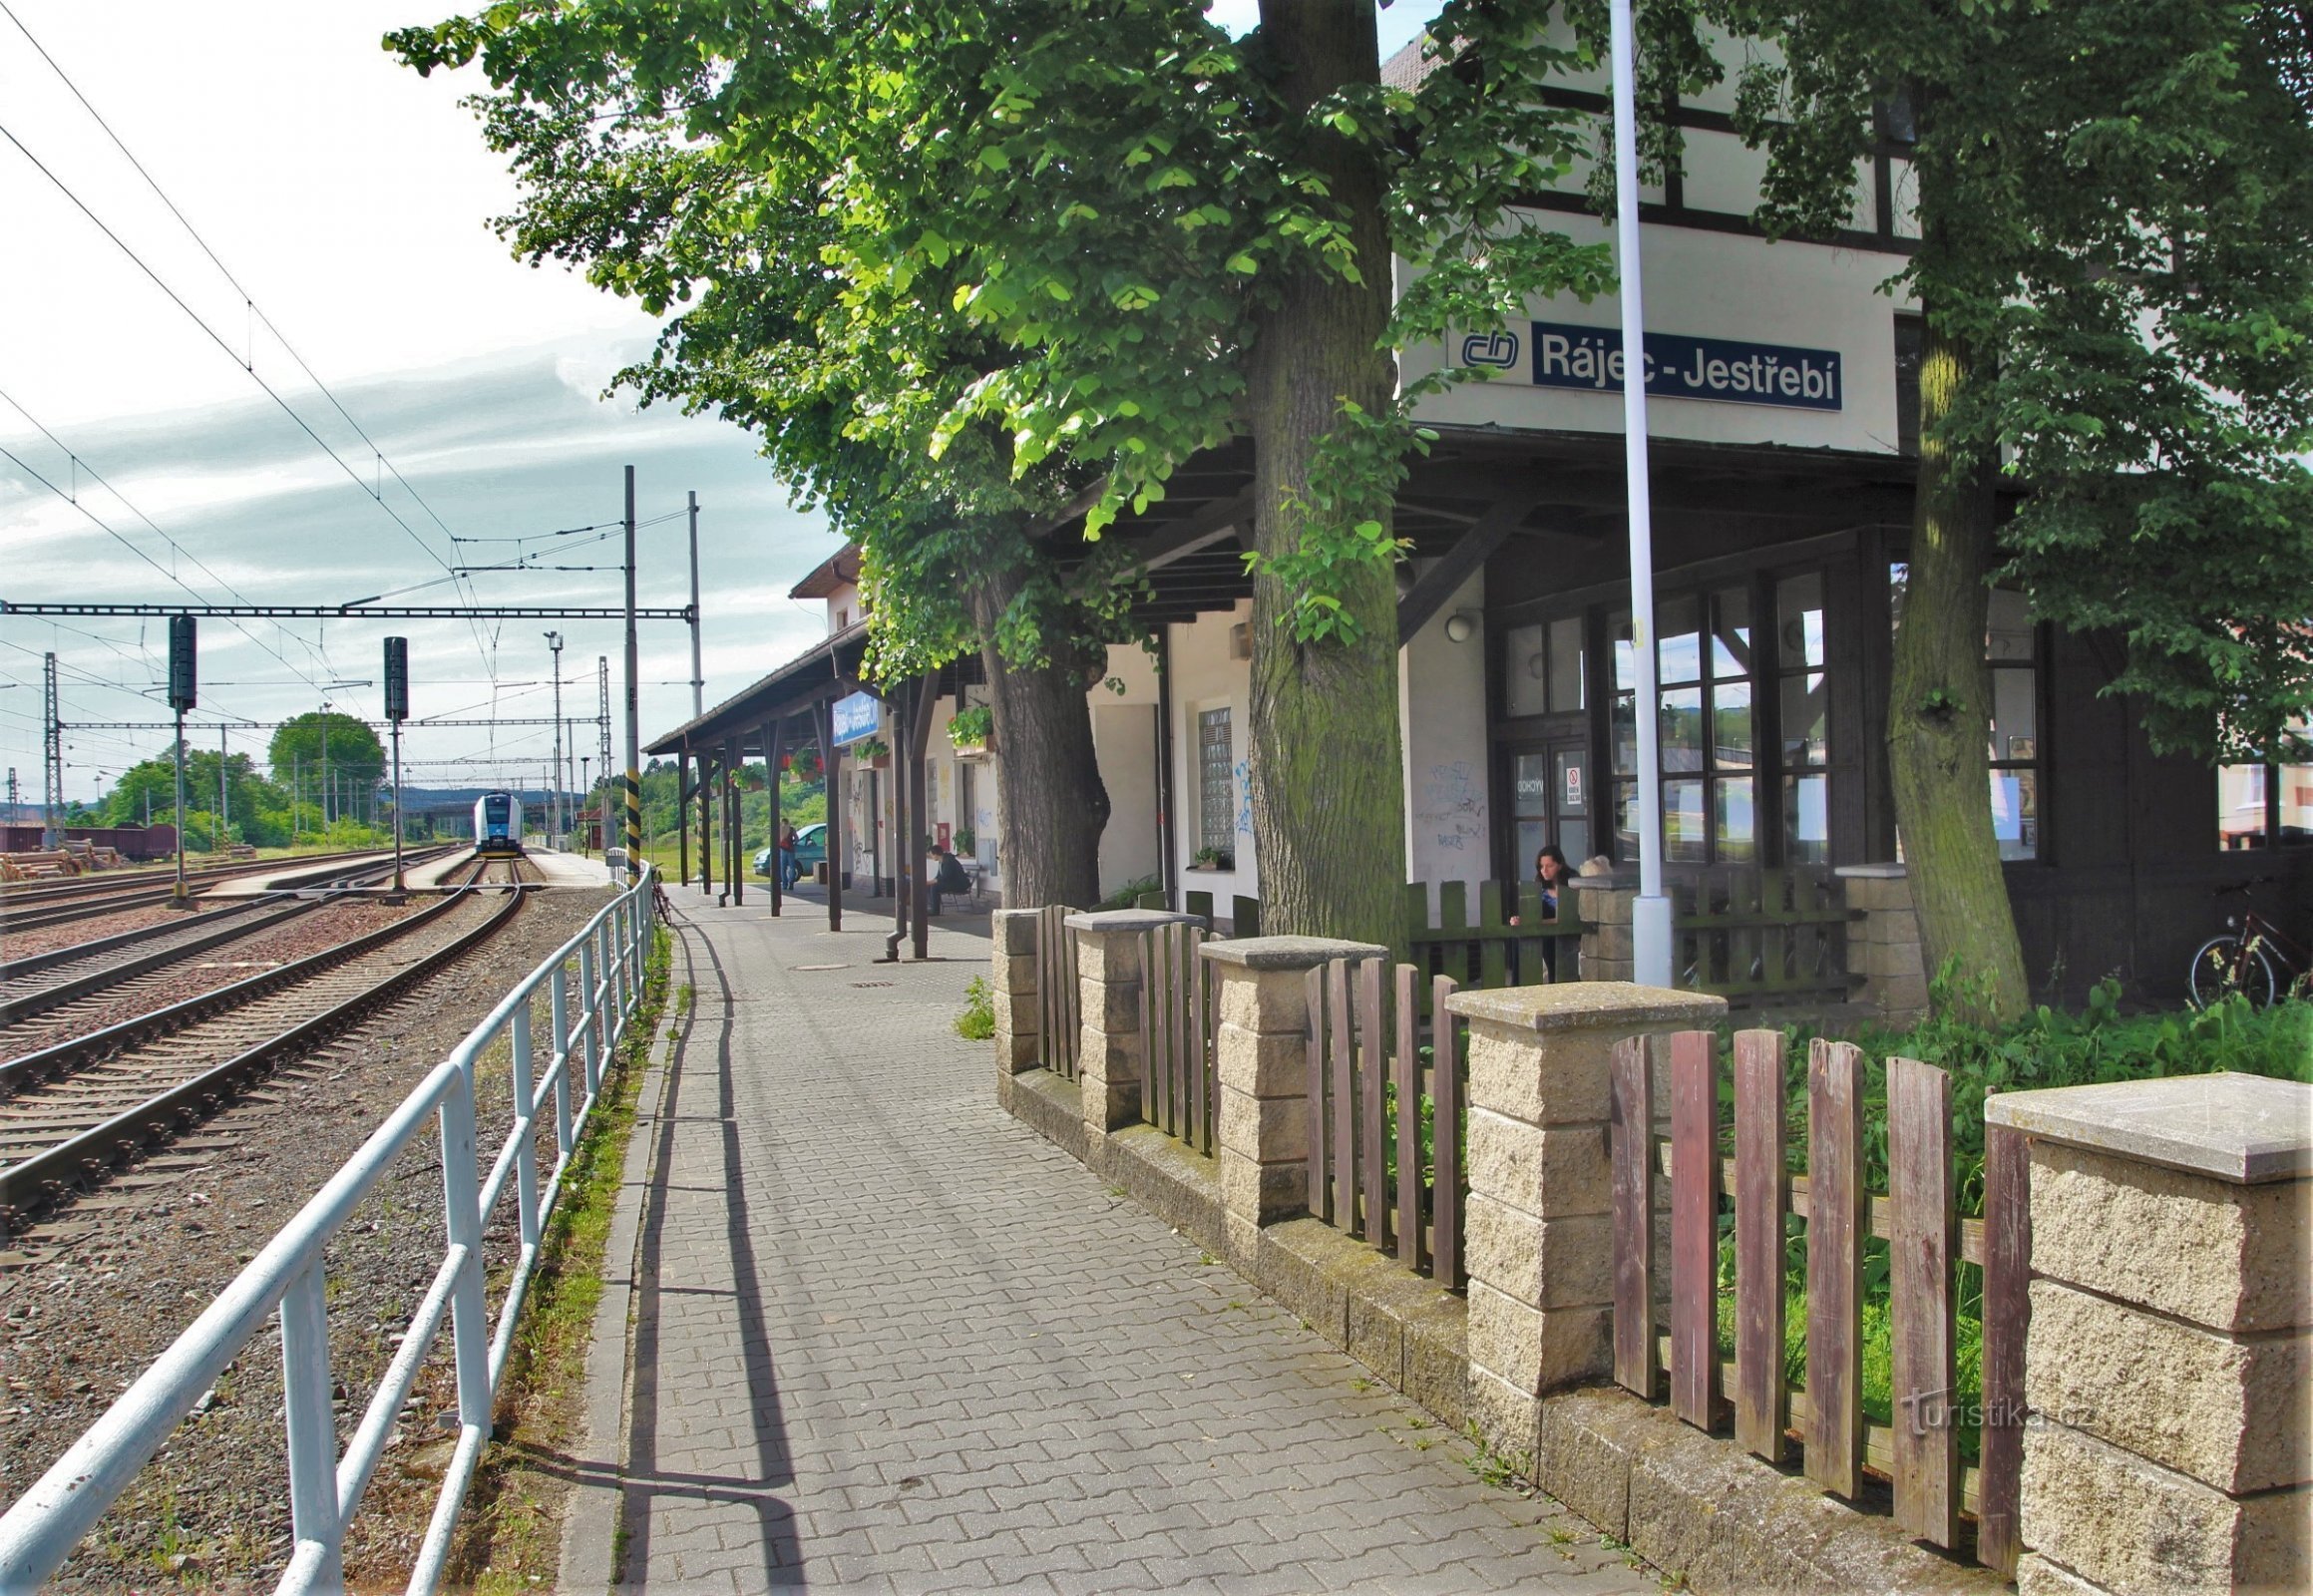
(810, 848)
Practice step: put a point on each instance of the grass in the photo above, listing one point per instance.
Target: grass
(978, 1021)
(510, 1536)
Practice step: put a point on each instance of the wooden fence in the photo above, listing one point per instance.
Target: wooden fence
(1488, 951)
(1919, 1449)
(1180, 1008)
(1749, 934)
(1060, 1012)
(1368, 1172)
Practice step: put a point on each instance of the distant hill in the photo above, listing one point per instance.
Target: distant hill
(417, 799)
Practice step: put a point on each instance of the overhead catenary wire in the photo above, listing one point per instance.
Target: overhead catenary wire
(121, 539)
(249, 364)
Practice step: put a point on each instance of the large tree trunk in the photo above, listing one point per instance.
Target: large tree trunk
(1052, 803)
(1940, 703)
(1329, 798)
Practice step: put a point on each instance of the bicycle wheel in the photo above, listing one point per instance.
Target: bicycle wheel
(2222, 966)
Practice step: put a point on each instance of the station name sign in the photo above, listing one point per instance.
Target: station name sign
(855, 717)
(1561, 355)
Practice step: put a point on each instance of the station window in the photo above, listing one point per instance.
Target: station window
(1708, 740)
(1803, 699)
(1216, 783)
(2267, 804)
(1542, 668)
(2009, 659)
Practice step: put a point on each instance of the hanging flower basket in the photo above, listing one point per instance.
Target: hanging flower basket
(971, 732)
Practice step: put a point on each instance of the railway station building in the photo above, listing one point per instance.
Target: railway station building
(1783, 414)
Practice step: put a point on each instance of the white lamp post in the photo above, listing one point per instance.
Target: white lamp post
(1651, 915)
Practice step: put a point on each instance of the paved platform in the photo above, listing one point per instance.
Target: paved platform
(877, 1335)
(250, 886)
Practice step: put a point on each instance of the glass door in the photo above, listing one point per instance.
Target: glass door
(1550, 802)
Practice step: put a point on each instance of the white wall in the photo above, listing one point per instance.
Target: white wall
(1708, 285)
(1124, 735)
(1205, 678)
(1441, 708)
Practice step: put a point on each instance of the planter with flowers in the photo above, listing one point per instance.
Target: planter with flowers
(971, 730)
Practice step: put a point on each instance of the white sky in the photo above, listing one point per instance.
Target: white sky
(350, 199)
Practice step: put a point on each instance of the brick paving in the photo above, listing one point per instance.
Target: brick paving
(883, 1336)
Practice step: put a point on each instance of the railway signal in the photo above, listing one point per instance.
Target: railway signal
(183, 650)
(397, 707)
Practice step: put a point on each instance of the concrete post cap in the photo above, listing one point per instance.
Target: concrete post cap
(1589, 1005)
(2242, 1129)
(1871, 871)
(1128, 920)
(1288, 952)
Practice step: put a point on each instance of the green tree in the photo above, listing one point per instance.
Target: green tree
(326, 752)
(2115, 267)
(1056, 244)
(255, 812)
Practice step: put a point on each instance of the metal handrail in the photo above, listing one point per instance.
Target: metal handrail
(40, 1531)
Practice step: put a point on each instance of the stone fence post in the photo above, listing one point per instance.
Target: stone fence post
(1539, 1227)
(1883, 947)
(1261, 1053)
(1605, 903)
(1108, 1072)
(2168, 1368)
(1011, 978)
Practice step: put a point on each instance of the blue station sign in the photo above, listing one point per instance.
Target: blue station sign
(1726, 371)
(856, 718)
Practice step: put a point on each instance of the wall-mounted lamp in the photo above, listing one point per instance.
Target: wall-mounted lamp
(1460, 627)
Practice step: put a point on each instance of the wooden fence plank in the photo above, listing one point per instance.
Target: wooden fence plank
(2007, 1317)
(1154, 1062)
(1244, 916)
(1071, 992)
(1205, 1085)
(1321, 1190)
(1835, 1232)
(1694, 1227)
(1188, 1037)
(1919, 1186)
(1631, 1138)
(1373, 1069)
(1761, 1400)
(1446, 1115)
(1343, 1089)
(1406, 1075)
(1493, 952)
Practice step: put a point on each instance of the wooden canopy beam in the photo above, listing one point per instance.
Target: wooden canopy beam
(1457, 564)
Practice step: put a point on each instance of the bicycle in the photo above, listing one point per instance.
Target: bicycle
(2254, 958)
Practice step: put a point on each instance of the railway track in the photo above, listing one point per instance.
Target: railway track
(88, 902)
(43, 981)
(15, 893)
(69, 1112)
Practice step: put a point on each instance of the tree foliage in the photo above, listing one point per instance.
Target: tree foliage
(1025, 239)
(2116, 215)
(355, 757)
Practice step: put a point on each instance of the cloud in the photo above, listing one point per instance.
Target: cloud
(503, 447)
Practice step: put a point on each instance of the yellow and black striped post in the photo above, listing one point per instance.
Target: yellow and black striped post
(633, 796)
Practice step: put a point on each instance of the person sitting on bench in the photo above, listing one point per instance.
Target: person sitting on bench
(950, 878)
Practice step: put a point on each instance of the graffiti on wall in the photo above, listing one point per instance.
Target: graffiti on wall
(1452, 806)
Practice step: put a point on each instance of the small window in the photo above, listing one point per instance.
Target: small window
(2267, 804)
(843, 620)
(1216, 784)
(1804, 700)
(2014, 730)
(1704, 659)
(1542, 668)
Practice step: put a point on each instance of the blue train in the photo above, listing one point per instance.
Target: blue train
(498, 825)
